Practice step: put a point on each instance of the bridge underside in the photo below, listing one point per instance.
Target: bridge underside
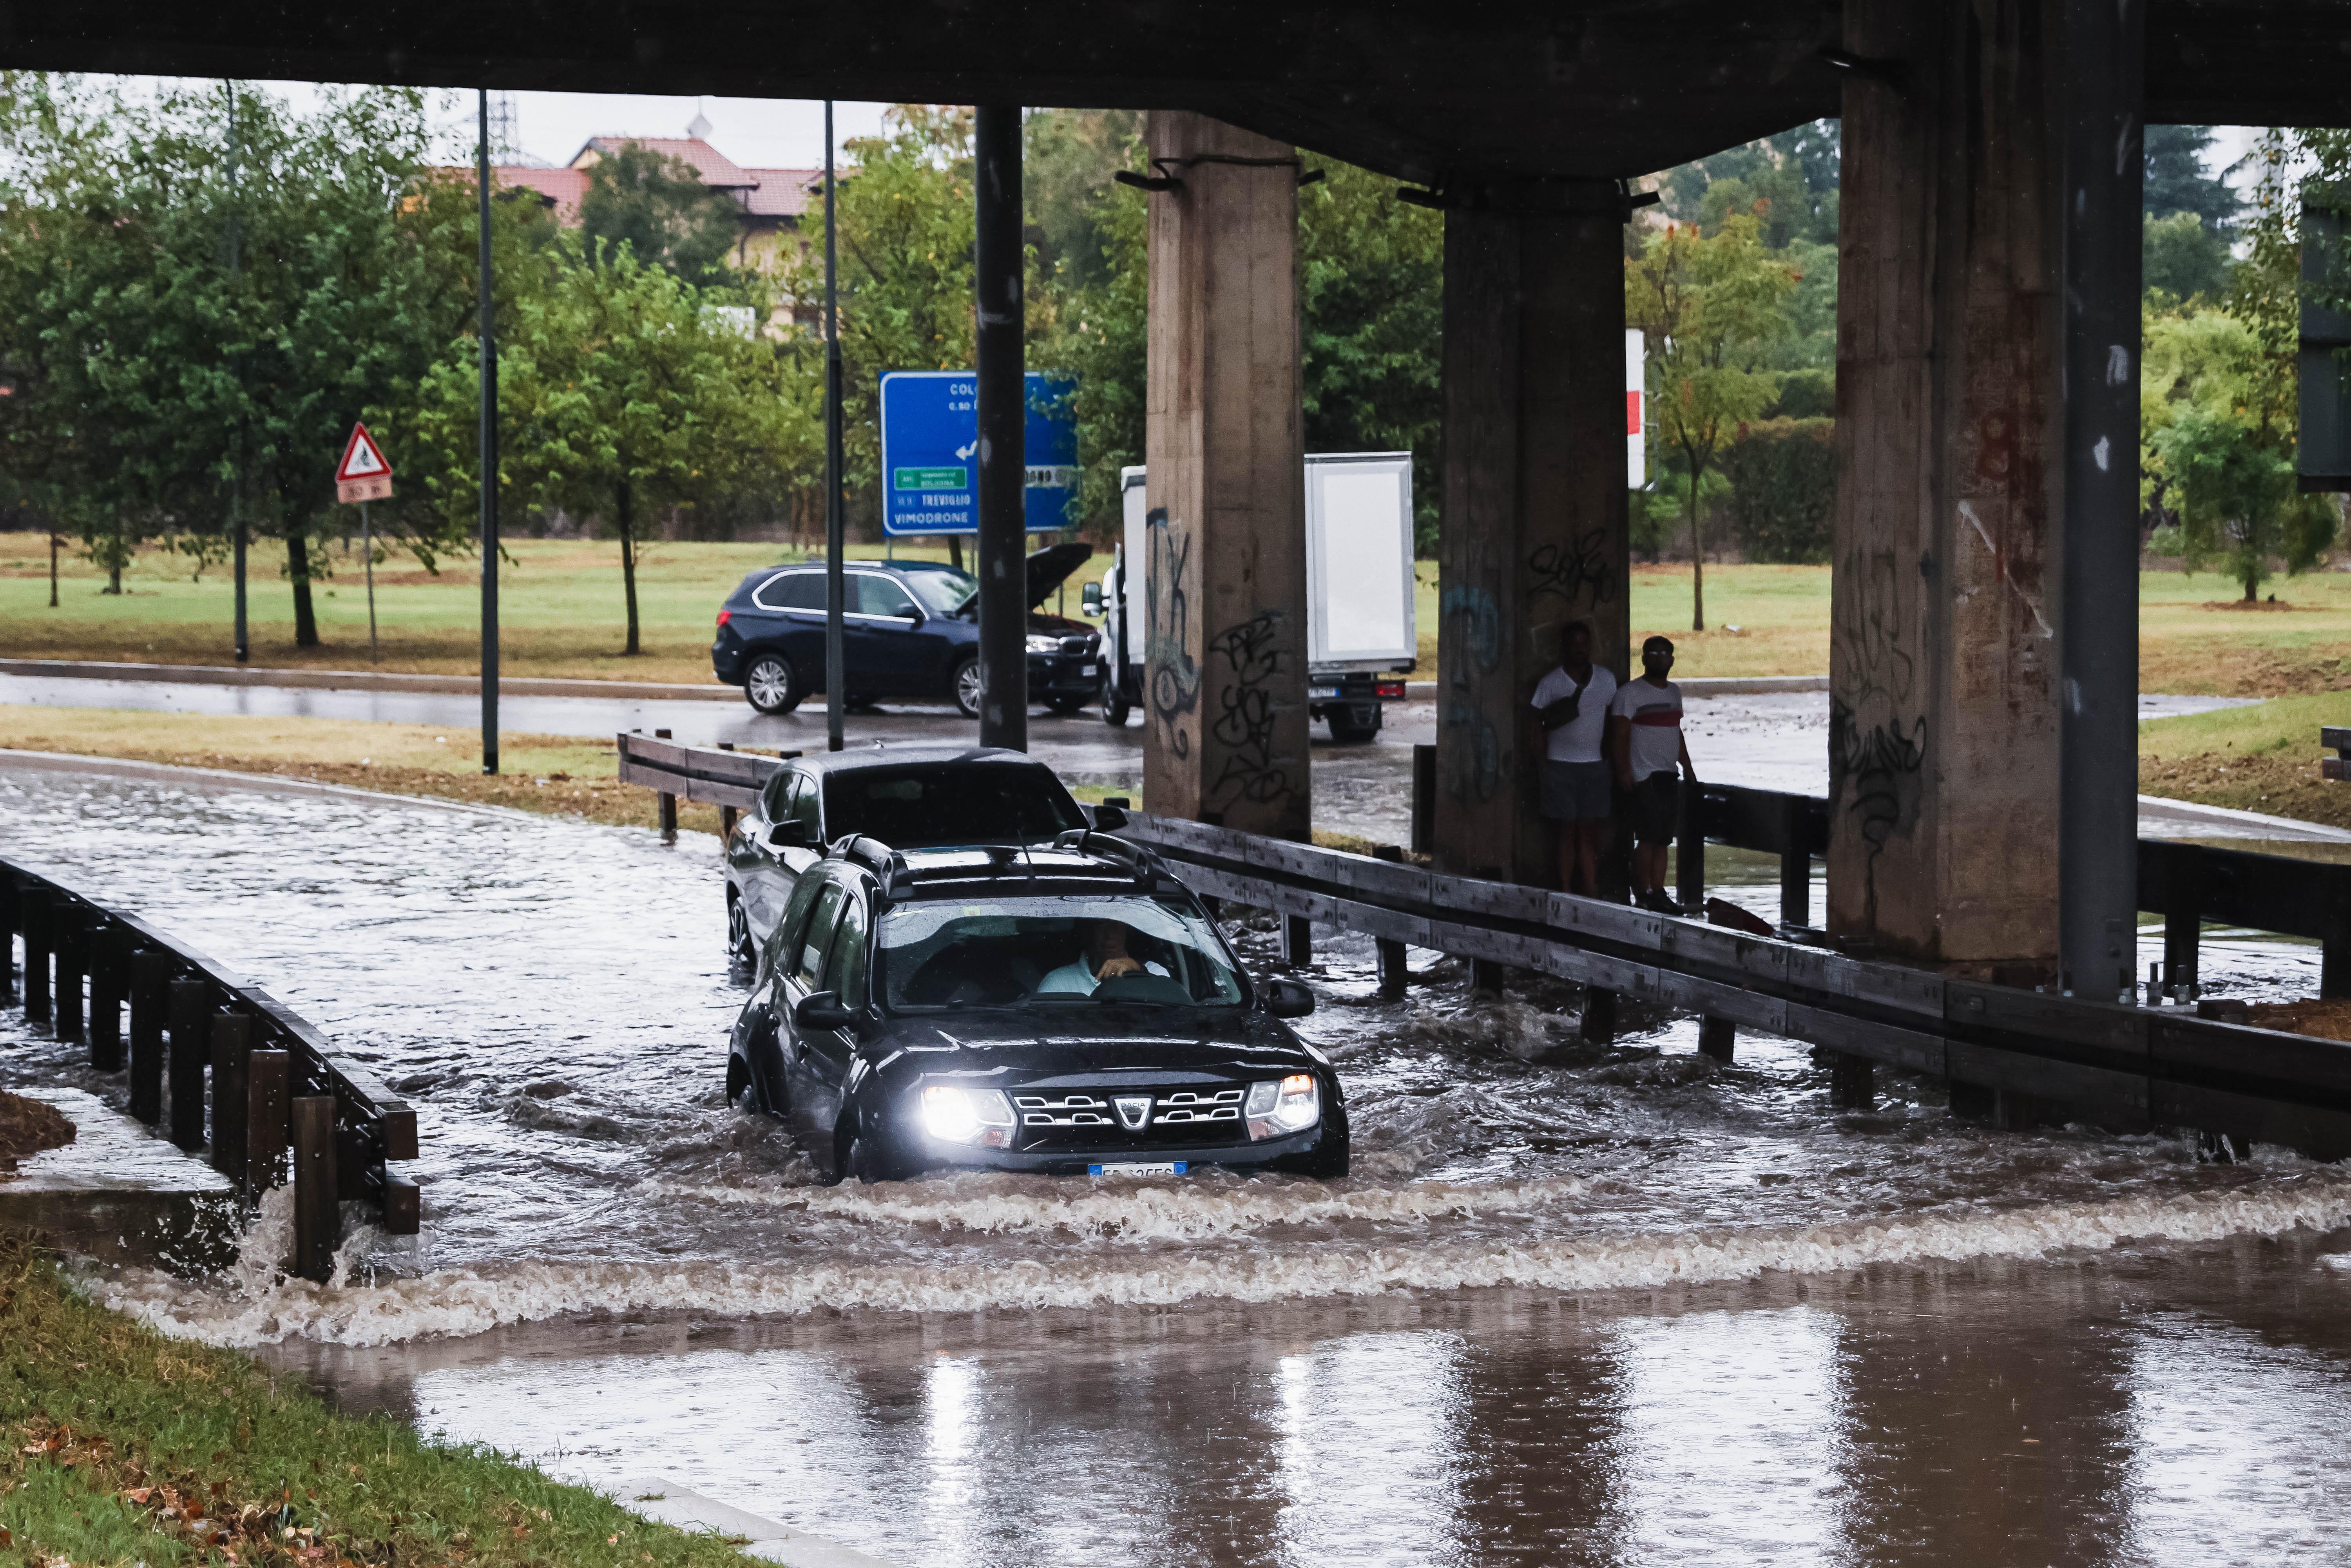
(1422, 89)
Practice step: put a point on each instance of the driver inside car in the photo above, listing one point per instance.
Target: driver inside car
(1103, 958)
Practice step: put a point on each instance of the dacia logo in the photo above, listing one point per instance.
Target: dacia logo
(1134, 1111)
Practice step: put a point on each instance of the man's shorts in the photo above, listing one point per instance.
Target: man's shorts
(1656, 803)
(1575, 791)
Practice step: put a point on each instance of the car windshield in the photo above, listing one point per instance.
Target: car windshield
(964, 803)
(1074, 949)
(942, 590)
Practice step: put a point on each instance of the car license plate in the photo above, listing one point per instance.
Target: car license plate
(1140, 1168)
(1325, 692)
(1087, 671)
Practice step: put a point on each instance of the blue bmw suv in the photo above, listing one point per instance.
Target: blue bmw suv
(910, 629)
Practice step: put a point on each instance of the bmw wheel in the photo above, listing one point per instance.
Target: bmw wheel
(771, 685)
(740, 952)
(968, 687)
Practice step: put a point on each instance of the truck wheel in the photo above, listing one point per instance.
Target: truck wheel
(1113, 702)
(964, 685)
(771, 685)
(1355, 724)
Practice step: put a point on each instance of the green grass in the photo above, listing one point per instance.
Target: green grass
(2260, 759)
(117, 1436)
(562, 610)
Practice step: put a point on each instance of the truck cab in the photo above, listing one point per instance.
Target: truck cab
(1362, 639)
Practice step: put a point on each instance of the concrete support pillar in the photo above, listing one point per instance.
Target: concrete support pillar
(1952, 437)
(1534, 529)
(1225, 736)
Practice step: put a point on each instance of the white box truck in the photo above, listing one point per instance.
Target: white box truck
(1360, 636)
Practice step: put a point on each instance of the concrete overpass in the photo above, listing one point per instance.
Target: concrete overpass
(1984, 658)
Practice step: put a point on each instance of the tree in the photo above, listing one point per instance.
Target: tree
(623, 392)
(1711, 306)
(2238, 501)
(657, 206)
(2177, 182)
(2183, 259)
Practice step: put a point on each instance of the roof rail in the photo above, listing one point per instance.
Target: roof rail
(1140, 859)
(888, 866)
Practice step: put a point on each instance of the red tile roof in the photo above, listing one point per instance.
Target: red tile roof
(783, 193)
(715, 167)
(564, 186)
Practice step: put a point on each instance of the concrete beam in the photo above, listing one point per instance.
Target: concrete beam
(1225, 710)
(1534, 531)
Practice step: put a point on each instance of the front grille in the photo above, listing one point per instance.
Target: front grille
(1077, 647)
(1205, 1113)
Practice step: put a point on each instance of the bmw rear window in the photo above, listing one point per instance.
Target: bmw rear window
(950, 804)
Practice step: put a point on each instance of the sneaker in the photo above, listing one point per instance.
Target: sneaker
(1654, 901)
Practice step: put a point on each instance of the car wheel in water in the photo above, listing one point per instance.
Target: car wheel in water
(966, 687)
(1113, 702)
(771, 685)
(739, 1082)
(740, 953)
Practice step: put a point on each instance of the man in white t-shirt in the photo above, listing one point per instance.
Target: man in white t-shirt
(1571, 707)
(1645, 724)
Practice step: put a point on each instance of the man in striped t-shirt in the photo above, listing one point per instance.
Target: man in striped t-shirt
(1645, 733)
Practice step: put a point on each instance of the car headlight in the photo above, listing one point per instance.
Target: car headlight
(1281, 1107)
(982, 1116)
(1040, 643)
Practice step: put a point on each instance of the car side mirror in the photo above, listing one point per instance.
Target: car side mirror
(1288, 999)
(792, 833)
(1090, 599)
(1108, 819)
(823, 1010)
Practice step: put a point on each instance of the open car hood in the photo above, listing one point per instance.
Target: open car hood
(1050, 565)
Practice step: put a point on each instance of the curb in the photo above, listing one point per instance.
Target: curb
(360, 680)
(2288, 828)
(666, 1503)
(229, 779)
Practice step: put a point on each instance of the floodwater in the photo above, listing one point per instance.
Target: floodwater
(1576, 1304)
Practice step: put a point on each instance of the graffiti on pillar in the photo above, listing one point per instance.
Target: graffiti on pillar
(1576, 571)
(1482, 628)
(1172, 678)
(1878, 736)
(1243, 722)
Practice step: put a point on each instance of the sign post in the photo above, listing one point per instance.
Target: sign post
(362, 477)
(930, 445)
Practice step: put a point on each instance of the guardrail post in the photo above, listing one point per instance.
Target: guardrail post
(1690, 850)
(7, 937)
(105, 945)
(66, 937)
(1424, 800)
(1486, 977)
(668, 804)
(268, 1074)
(2335, 966)
(150, 978)
(191, 1049)
(316, 1214)
(232, 1064)
(33, 910)
(1852, 1082)
(1717, 1038)
(1297, 941)
(1796, 863)
(1599, 1024)
(2183, 927)
(1389, 953)
(727, 814)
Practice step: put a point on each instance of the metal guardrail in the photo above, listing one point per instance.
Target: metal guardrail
(2010, 1050)
(205, 1040)
(724, 777)
(2338, 741)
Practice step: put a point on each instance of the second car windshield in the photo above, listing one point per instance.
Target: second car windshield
(942, 590)
(998, 952)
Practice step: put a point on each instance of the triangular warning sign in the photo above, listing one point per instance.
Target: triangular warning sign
(362, 459)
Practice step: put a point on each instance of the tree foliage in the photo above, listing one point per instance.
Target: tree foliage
(657, 206)
(1711, 306)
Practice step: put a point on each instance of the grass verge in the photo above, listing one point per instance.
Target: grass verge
(127, 1447)
(2262, 759)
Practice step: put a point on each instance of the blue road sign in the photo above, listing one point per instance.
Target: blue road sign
(930, 452)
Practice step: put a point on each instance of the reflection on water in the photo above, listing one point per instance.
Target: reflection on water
(2189, 1407)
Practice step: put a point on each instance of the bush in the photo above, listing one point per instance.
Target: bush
(1782, 475)
(1805, 394)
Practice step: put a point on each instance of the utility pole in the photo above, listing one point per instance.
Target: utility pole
(836, 673)
(367, 543)
(1003, 413)
(236, 475)
(489, 457)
